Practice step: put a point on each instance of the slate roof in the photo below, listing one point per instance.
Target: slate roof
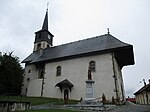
(144, 88)
(91, 46)
(64, 83)
(45, 23)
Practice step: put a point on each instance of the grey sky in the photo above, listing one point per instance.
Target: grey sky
(71, 20)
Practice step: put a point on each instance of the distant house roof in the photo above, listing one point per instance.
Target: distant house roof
(131, 99)
(91, 46)
(144, 88)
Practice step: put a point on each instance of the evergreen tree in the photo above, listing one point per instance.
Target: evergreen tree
(11, 74)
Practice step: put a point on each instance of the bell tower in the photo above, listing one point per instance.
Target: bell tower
(43, 38)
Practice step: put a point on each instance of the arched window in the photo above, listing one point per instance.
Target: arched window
(29, 71)
(92, 66)
(28, 79)
(47, 45)
(39, 46)
(58, 71)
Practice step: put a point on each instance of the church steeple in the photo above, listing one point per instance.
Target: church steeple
(43, 38)
(45, 23)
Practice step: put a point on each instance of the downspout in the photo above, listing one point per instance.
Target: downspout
(122, 88)
(28, 79)
(115, 77)
(43, 82)
(42, 86)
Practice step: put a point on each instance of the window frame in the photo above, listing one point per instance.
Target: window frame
(58, 71)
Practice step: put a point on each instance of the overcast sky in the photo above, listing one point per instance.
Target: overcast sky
(72, 20)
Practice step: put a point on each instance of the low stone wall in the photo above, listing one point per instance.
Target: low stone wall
(10, 106)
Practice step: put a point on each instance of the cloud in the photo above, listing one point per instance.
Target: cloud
(71, 20)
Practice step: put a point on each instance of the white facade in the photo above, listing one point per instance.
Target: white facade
(107, 77)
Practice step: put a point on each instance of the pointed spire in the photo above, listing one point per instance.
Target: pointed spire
(45, 23)
(43, 35)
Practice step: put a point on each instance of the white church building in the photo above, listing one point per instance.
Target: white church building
(58, 71)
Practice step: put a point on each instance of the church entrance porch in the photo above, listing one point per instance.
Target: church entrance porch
(65, 85)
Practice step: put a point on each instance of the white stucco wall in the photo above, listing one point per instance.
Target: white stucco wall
(76, 71)
(34, 88)
(32, 75)
(43, 45)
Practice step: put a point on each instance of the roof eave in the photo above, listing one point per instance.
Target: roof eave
(125, 56)
(120, 53)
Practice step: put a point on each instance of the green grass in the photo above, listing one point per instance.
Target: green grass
(49, 110)
(36, 100)
(147, 111)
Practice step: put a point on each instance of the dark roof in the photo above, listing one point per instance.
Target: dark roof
(64, 83)
(43, 34)
(144, 88)
(91, 46)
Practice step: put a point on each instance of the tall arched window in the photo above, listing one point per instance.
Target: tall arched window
(58, 71)
(92, 66)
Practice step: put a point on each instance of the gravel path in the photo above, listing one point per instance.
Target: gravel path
(131, 108)
(128, 107)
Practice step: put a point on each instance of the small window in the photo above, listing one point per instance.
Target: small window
(58, 71)
(28, 79)
(29, 71)
(47, 45)
(92, 66)
(39, 46)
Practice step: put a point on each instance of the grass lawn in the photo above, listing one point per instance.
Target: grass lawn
(147, 111)
(49, 110)
(36, 100)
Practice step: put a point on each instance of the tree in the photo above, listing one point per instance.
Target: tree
(11, 74)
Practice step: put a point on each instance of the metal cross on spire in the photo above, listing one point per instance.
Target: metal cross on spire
(47, 5)
(45, 23)
(108, 30)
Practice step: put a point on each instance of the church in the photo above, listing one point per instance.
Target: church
(61, 71)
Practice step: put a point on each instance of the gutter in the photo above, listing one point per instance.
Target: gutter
(115, 77)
